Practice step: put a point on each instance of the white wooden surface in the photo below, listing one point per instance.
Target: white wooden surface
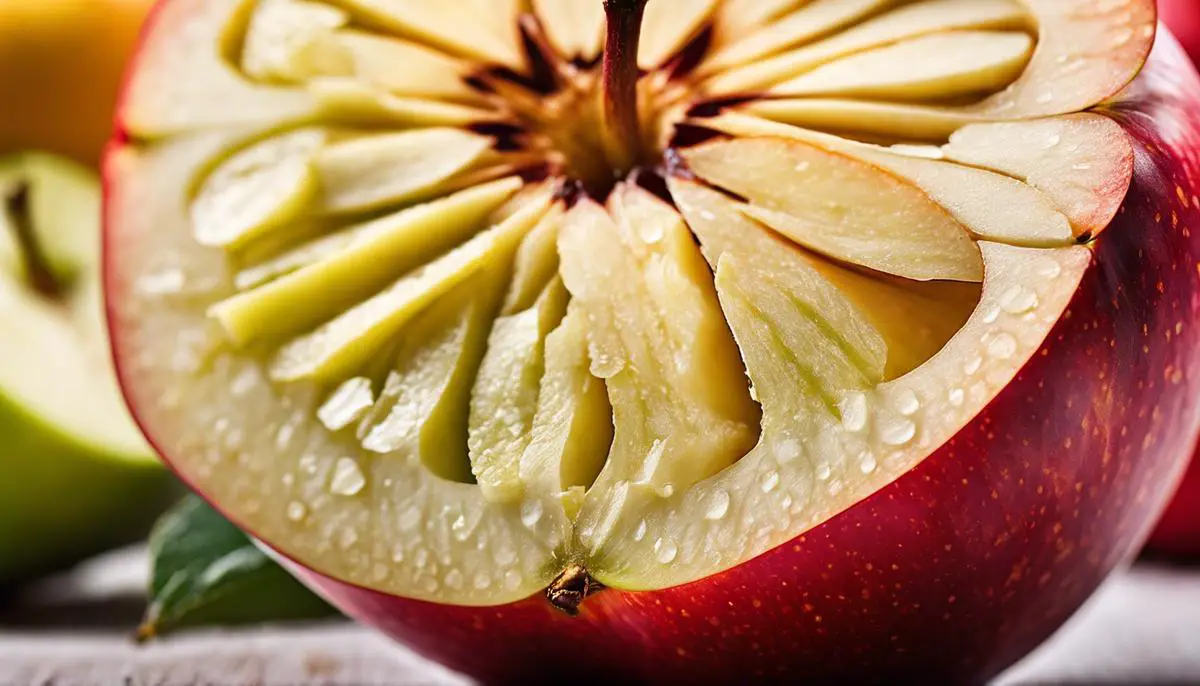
(1144, 628)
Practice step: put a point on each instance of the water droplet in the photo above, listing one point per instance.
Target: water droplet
(973, 364)
(233, 439)
(347, 538)
(347, 405)
(379, 572)
(454, 579)
(297, 511)
(288, 480)
(854, 411)
(512, 579)
(907, 403)
(221, 426)
(463, 528)
(531, 513)
(665, 491)
(606, 366)
(1018, 300)
(283, 437)
(308, 464)
(1002, 346)
(398, 554)
(718, 505)
(1050, 269)
(245, 381)
(348, 479)
(166, 282)
(1082, 166)
(430, 584)
(651, 232)
(640, 532)
(422, 558)
(787, 450)
(867, 462)
(803, 166)
(897, 432)
(505, 554)
(707, 216)
(957, 397)
(770, 481)
(824, 471)
(665, 550)
(1045, 98)
(482, 580)
(1053, 139)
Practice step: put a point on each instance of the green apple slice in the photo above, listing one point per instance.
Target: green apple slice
(850, 211)
(78, 475)
(810, 21)
(941, 66)
(914, 20)
(390, 247)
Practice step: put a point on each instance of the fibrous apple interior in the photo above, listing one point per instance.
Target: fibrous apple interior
(392, 288)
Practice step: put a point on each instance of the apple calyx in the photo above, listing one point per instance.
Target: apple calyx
(38, 273)
(567, 592)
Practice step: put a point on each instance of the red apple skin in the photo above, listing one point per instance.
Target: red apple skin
(962, 566)
(1183, 17)
(1178, 534)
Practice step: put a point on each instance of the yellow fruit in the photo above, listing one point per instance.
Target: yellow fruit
(61, 64)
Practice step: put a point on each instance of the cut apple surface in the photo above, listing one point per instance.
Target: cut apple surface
(484, 301)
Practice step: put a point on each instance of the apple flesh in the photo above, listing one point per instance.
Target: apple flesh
(862, 384)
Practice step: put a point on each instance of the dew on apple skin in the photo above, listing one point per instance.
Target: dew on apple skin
(348, 479)
(665, 550)
(531, 513)
(718, 505)
(897, 431)
(605, 366)
(297, 511)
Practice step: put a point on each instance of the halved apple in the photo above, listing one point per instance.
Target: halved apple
(778, 386)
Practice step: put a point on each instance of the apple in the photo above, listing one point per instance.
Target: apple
(1183, 18)
(1178, 534)
(61, 64)
(79, 478)
(690, 341)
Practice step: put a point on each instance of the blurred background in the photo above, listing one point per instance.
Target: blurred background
(73, 489)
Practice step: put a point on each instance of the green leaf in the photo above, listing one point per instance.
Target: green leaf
(207, 573)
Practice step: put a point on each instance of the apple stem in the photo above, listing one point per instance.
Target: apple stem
(621, 74)
(37, 268)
